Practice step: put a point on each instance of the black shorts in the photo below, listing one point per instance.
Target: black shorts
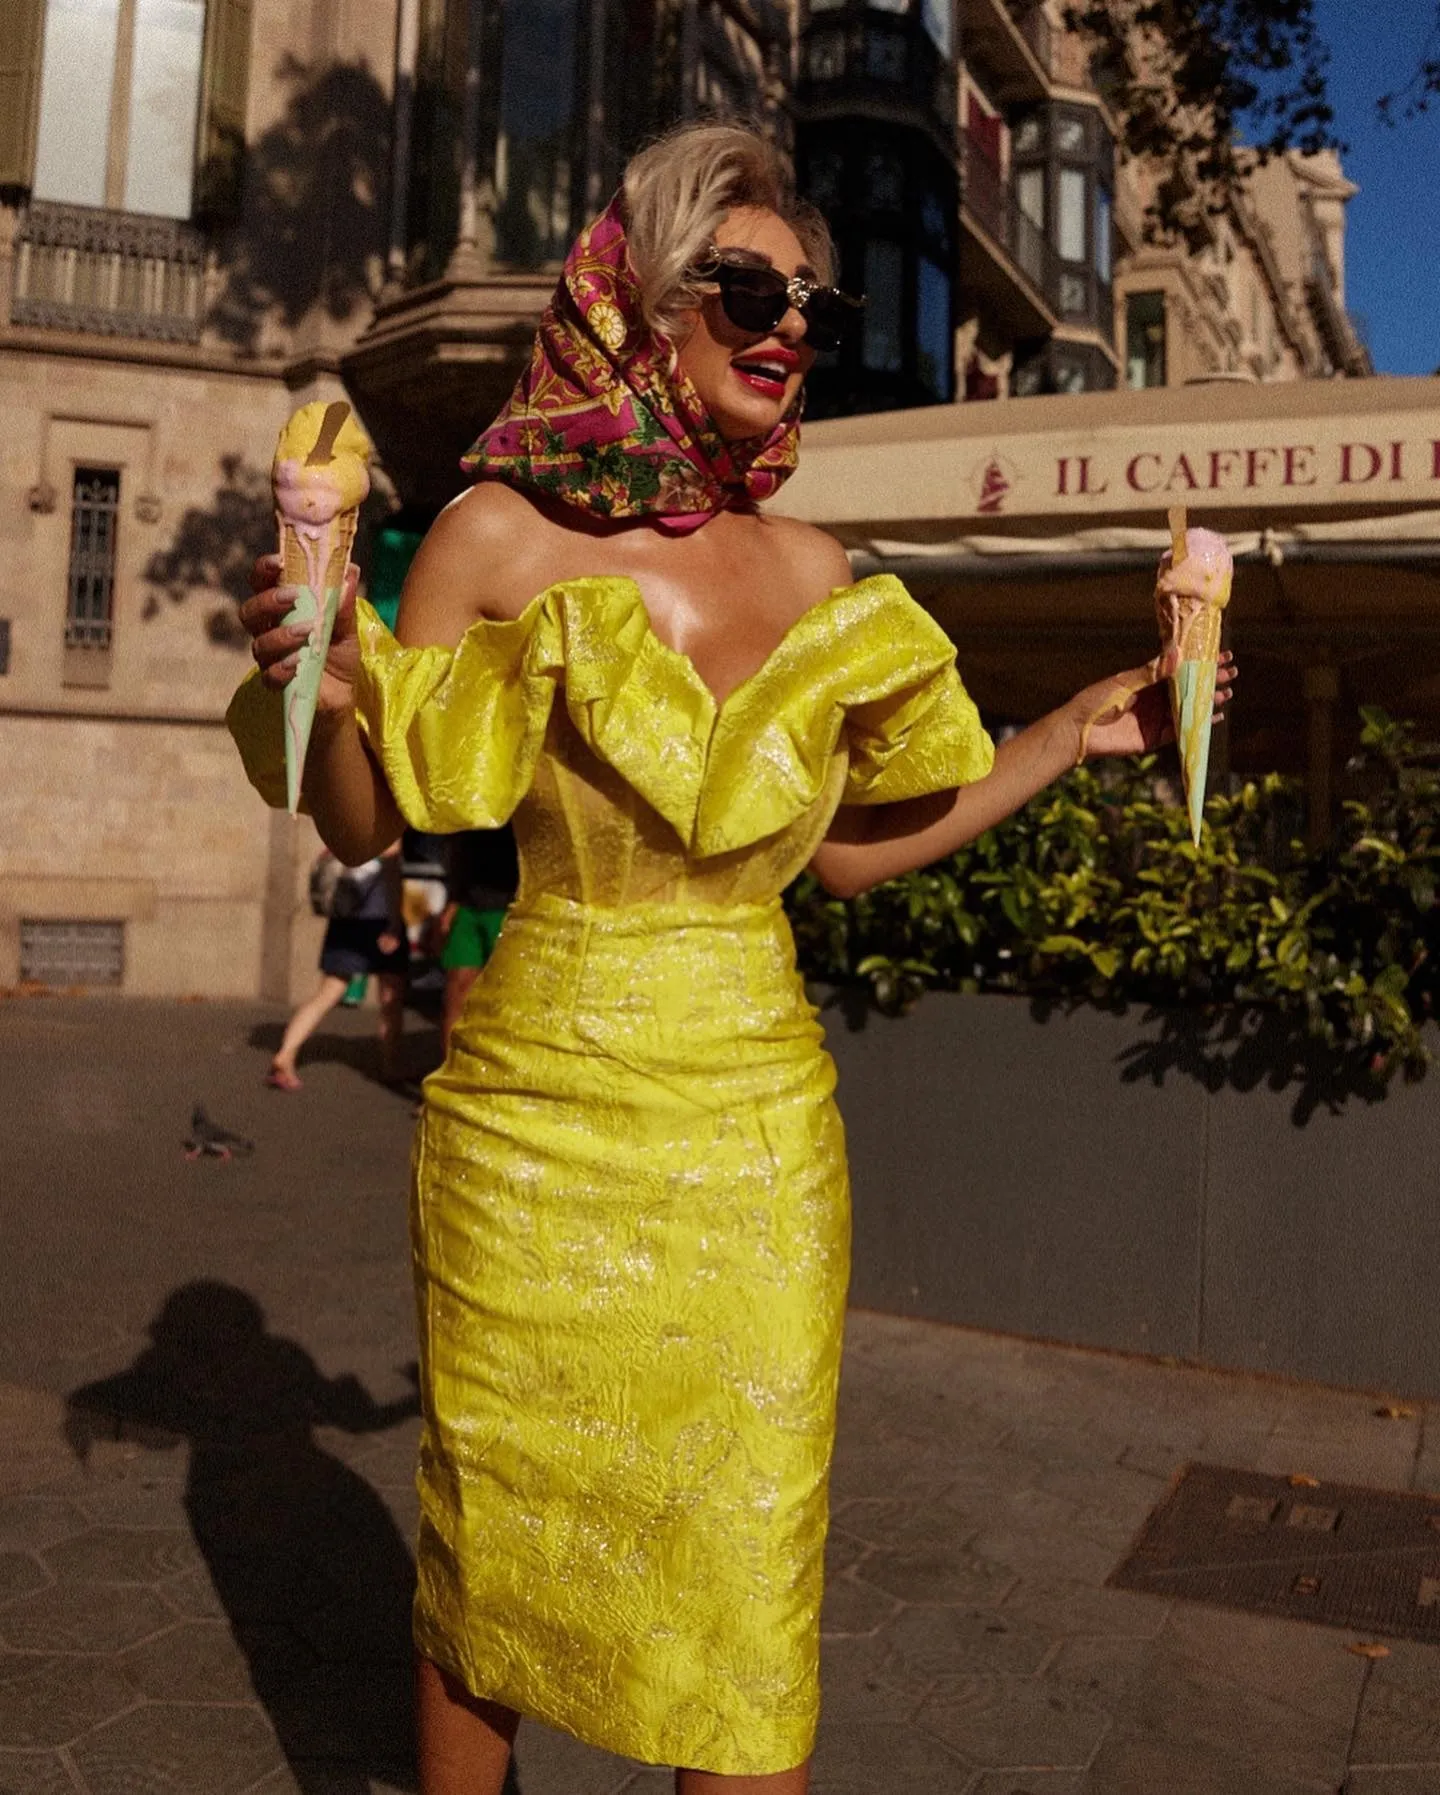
(352, 946)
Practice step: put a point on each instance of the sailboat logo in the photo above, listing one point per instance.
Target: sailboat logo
(995, 486)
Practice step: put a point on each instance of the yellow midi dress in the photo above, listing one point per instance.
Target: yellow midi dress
(630, 1208)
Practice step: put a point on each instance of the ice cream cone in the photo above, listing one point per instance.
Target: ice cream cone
(320, 482)
(1190, 613)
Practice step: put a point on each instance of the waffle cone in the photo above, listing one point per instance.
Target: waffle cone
(295, 563)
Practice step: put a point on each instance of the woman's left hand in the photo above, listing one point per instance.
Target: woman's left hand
(1129, 713)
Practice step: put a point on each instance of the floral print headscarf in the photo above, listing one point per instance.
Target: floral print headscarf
(603, 419)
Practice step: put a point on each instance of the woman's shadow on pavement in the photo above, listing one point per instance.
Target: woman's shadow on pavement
(306, 1560)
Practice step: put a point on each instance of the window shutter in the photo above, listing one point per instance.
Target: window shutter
(22, 31)
(224, 82)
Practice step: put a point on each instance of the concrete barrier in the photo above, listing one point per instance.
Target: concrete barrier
(1149, 1182)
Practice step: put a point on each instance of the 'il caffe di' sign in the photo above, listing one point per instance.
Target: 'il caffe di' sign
(1322, 462)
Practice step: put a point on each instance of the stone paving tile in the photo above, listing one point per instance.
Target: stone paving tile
(192, 1595)
(938, 1576)
(20, 1573)
(1105, 1669)
(1223, 1689)
(1065, 1607)
(853, 1607)
(843, 1551)
(83, 1617)
(1410, 1779)
(860, 1759)
(1383, 1461)
(1023, 1721)
(49, 1701)
(179, 1748)
(134, 1502)
(34, 1773)
(914, 1527)
(122, 1555)
(1055, 1546)
(30, 1522)
(1161, 1460)
(1030, 1782)
(866, 1518)
(940, 1645)
(199, 1661)
(1126, 1765)
(863, 1685)
(1400, 1708)
(546, 1760)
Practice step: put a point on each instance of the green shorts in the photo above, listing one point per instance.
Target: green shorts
(472, 937)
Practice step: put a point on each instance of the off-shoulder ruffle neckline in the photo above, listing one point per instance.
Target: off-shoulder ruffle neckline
(726, 773)
(611, 586)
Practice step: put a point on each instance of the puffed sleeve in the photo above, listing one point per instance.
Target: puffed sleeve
(455, 732)
(920, 732)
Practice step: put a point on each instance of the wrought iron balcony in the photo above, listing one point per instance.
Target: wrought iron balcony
(108, 273)
(987, 198)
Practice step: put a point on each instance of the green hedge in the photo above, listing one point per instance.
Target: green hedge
(1095, 893)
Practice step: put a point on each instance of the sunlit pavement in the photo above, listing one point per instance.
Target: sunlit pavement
(206, 1440)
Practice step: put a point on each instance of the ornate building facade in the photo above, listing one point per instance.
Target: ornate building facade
(214, 210)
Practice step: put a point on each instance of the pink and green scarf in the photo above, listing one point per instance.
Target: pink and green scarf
(602, 419)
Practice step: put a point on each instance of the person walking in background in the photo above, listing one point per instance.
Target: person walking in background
(481, 874)
(365, 934)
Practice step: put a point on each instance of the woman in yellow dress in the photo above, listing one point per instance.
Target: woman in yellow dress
(630, 1210)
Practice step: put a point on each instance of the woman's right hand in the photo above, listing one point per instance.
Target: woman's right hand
(276, 644)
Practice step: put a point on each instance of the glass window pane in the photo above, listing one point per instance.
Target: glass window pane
(884, 294)
(76, 76)
(1145, 339)
(824, 172)
(888, 5)
(1070, 136)
(885, 54)
(932, 330)
(1030, 193)
(1027, 136)
(537, 106)
(825, 56)
(884, 181)
(94, 511)
(1102, 233)
(935, 15)
(164, 94)
(1070, 240)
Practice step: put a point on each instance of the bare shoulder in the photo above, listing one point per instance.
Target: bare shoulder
(815, 561)
(477, 560)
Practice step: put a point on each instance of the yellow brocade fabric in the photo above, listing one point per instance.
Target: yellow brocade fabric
(630, 1207)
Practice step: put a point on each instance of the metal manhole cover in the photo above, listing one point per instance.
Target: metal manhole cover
(1335, 1553)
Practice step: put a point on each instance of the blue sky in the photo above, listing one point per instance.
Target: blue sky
(1392, 245)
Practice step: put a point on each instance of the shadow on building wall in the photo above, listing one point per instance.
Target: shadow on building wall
(305, 1559)
(214, 548)
(312, 232)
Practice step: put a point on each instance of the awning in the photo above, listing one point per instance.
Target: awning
(1031, 529)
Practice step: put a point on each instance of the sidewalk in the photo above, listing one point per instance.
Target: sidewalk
(208, 1594)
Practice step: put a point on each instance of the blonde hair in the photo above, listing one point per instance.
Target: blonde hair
(677, 192)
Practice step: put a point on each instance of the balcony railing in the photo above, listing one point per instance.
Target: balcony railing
(990, 201)
(108, 273)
